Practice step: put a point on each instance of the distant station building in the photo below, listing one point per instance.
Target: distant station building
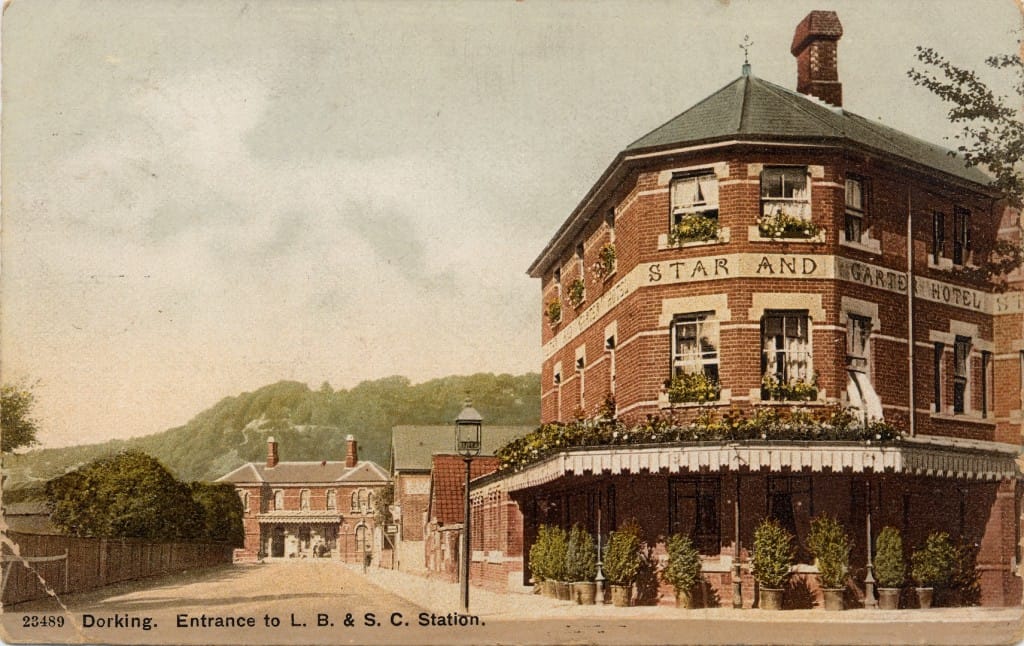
(308, 509)
(762, 252)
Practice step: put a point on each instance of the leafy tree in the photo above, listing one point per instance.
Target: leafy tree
(992, 133)
(222, 512)
(18, 427)
(382, 505)
(127, 495)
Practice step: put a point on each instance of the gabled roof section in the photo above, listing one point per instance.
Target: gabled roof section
(752, 109)
(448, 486)
(413, 446)
(325, 472)
(365, 472)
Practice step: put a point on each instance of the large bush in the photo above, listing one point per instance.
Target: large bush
(132, 495)
(222, 512)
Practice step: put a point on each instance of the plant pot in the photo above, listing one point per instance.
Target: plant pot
(924, 597)
(888, 598)
(770, 598)
(584, 593)
(547, 588)
(563, 591)
(622, 595)
(684, 599)
(833, 598)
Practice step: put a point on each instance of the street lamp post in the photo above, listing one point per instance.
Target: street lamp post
(467, 443)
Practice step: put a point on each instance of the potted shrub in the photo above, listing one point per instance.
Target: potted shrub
(538, 561)
(831, 547)
(772, 561)
(682, 571)
(622, 559)
(581, 563)
(558, 544)
(931, 566)
(890, 568)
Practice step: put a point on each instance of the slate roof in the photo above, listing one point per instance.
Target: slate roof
(448, 486)
(753, 109)
(306, 472)
(413, 446)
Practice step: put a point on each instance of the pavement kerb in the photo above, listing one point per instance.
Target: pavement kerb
(442, 597)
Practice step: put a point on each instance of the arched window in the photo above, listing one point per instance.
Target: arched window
(244, 495)
(278, 500)
(355, 501)
(332, 499)
(304, 500)
(362, 500)
(369, 502)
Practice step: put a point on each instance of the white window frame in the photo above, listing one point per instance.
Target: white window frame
(798, 202)
(693, 329)
(332, 499)
(304, 500)
(795, 349)
(278, 499)
(961, 236)
(703, 187)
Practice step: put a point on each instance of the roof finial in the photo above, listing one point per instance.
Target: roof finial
(745, 46)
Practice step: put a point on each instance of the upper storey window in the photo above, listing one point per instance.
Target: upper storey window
(961, 235)
(786, 203)
(854, 223)
(694, 208)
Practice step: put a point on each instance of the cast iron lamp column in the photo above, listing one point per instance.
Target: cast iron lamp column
(467, 444)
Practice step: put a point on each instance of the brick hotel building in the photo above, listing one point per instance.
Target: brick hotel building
(833, 261)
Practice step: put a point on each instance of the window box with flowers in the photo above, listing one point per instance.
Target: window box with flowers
(692, 388)
(554, 312)
(797, 390)
(605, 265)
(764, 423)
(780, 224)
(694, 227)
(577, 292)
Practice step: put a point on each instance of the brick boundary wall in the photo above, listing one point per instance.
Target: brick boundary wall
(96, 562)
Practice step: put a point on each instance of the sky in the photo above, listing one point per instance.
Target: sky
(199, 199)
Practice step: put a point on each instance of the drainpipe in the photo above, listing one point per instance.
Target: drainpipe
(910, 315)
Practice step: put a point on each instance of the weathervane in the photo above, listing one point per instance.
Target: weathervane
(745, 46)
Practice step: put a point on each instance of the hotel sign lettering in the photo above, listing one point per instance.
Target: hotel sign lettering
(784, 266)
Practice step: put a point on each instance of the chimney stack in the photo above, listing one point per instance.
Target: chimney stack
(814, 45)
(351, 452)
(271, 452)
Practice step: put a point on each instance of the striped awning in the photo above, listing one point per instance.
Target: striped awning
(909, 458)
(294, 518)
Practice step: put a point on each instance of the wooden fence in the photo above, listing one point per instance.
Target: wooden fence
(69, 564)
